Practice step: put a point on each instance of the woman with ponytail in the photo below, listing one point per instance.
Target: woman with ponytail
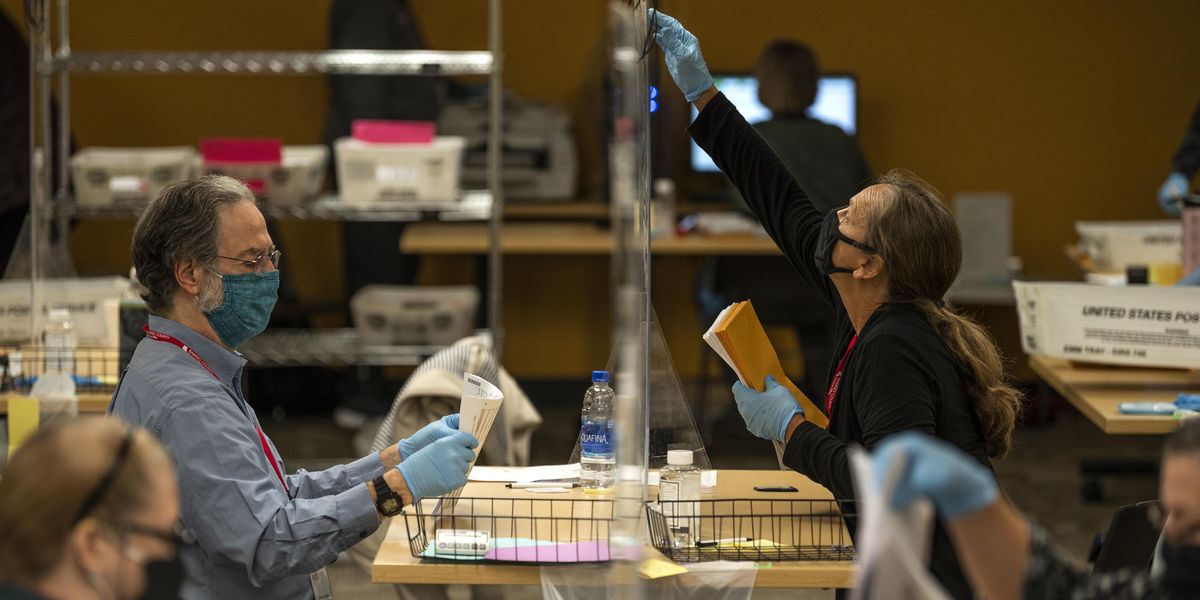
(904, 361)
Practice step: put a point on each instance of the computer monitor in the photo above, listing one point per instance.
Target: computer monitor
(836, 104)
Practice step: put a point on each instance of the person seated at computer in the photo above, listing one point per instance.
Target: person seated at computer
(824, 159)
(1184, 165)
(883, 264)
(1006, 556)
(88, 510)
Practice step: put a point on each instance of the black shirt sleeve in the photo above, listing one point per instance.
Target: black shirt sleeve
(767, 187)
(1187, 158)
(893, 391)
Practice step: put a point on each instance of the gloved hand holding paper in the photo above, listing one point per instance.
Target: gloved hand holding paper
(739, 339)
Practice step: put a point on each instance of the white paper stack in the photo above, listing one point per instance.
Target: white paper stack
(480, 402)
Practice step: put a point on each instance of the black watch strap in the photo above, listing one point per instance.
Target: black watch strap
(387, 502)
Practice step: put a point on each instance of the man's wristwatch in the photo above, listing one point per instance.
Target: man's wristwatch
(387, 502)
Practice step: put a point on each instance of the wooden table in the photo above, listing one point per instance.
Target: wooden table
(1096, 390)
(563, 238)
(395, 564)
(88, 403)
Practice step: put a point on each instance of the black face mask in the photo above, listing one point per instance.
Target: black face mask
(1182, 574)
(163, 578)
(830, 236)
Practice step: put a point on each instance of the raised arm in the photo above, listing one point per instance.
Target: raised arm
(778, 201)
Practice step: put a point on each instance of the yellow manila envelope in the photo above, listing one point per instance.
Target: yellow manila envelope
(754, 357)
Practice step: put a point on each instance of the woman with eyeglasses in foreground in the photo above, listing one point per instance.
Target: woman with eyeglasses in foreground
(88, 509)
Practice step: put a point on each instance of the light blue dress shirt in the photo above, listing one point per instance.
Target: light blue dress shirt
(252, 539)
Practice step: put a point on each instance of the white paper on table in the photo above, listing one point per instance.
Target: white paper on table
(524, 474)
(892, 546)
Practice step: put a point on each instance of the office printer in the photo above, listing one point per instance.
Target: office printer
(539, 159)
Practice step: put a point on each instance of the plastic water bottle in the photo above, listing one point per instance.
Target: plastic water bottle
(58, 342)
(597, 459)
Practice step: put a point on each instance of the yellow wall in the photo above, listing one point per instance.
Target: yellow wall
(1072, 107)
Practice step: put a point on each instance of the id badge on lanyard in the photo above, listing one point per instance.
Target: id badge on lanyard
(320, 585)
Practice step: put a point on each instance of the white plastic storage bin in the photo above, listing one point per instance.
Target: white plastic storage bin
(93, 302)
(1114, 245)
(129, 177)
(417, 315)
(1137, 325)
(297, 181)
(411, 173)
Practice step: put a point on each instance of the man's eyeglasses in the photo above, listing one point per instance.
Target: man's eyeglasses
(176, 537)
(259, 264)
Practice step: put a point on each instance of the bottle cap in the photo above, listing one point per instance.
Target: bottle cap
(599, 376)
(679, 457)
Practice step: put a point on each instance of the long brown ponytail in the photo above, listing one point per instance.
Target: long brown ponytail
(921, 248)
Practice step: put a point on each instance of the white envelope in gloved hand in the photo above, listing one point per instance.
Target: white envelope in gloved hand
(892, 546)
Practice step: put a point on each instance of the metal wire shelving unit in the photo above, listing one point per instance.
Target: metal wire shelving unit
(54, 62)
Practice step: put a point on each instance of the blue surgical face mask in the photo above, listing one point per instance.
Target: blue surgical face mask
(246, 309)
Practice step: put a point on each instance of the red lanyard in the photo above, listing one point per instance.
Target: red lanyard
(158, 336)
(836, 382)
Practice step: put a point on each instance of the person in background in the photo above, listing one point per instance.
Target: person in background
(883, 264)
(88, 510)
(1177, 186)
(210, 272)
(1006, 556)
(825, 161)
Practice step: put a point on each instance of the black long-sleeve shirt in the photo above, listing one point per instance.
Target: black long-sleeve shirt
(900, 376)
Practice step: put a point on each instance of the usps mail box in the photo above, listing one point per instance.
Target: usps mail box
(416, 315)
(93, 302)
(297, 180)
(1135, 325)
(1114, 245)
(129, 177)
(413, 173)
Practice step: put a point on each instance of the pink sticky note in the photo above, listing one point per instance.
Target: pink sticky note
(573, 552)
(243, 150)
(393, 132)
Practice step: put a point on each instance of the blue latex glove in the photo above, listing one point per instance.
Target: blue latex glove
(428, 435)
(956, 483)
(1171, 192)
(766, 413)
(1192, 278)
(682, 52)
(440, 467)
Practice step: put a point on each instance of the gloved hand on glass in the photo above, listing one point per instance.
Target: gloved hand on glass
(1172, 192)
(427, 435)
(681, 50)
(766, 413)
(957, 484)
(441, 467)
